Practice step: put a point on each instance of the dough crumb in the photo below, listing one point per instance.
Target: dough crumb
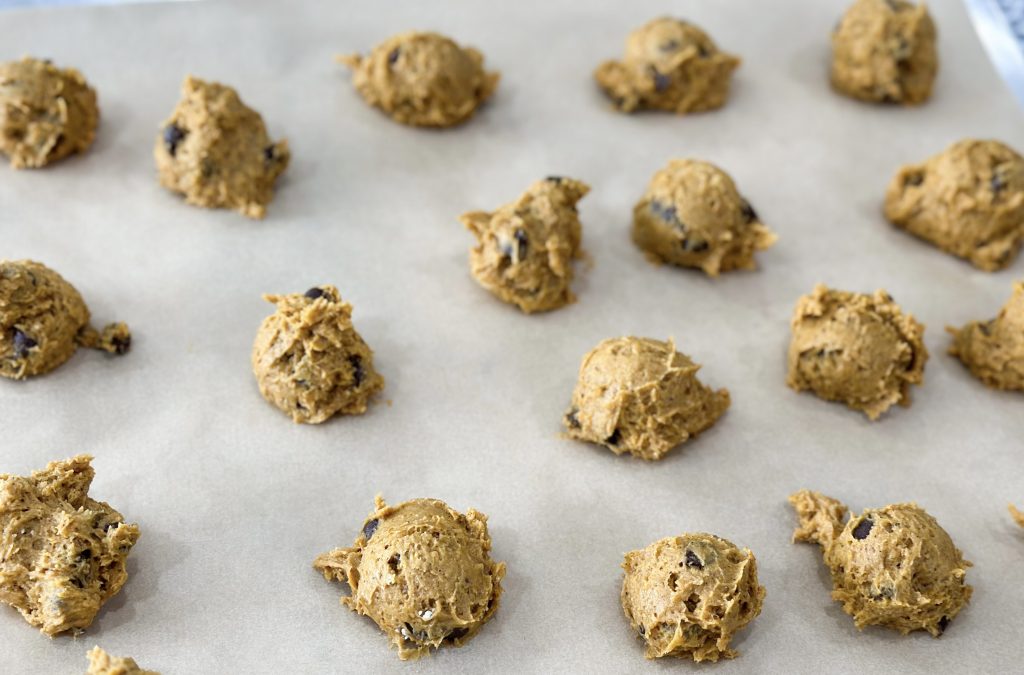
(688, 596)
(994, 350)
(1017, 515)
(102, 663)
(669, 65)
(422, 572)
(893, 567)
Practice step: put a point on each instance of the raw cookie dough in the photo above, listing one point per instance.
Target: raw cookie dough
(884, 51)
(422, 571)
(893, 566)
(215, 151)
(102, 663)
(422, 79)
(1017, 515)
(641, 396)
(46, 113)
(857, 349)
(968, 200)
(692, 215)
(309, 360)
(688, 596)
(43, 319)
(62, 554)
(994, 350)
(669, 65)
(526, 248)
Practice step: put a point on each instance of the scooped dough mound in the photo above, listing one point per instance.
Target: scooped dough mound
(893, 566)
(688, 596)
(215, 151)
(309, 360)
(692, 215)
(669, 65)
(994, 350)
(857, 349)
(102, 663)
(968, 200)
(525, 250)
(422, 571)
(423, 79)
(43, 320)
(46, 113)
(884, 51)
(641, 396)
(62, 554)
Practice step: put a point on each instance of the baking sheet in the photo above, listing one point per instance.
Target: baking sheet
(235, 501)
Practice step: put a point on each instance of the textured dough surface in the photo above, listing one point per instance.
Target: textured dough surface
(43, 320)
(641, 396)
(994, 350)
(423, 79)
(215, 151)
(62, 554)
(856, 349)
(688, 596)
(102, 663)
(46, 112)
(310, 361)
(893, 566)
(525, 250)
(692, 215)
(884, 51)
(968, 200)
(669, 65)
(422, 571)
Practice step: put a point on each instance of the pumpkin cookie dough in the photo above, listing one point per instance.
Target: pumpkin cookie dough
(857, 349)
(46, 113)
(526, 248)
(968, 200)
(62, 554)
(309, 360)
(422, 79)
(422, 571)
(893, 566)
(688, 596)
(884, 51)
(43, 320)
(669, 65)
(641, 396)
(994, 350)
(692, 215)
(215, 151)
(102, 663)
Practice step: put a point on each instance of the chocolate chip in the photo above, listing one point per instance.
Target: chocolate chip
(667, 213)
(693, 561)
(571, 418)
(523, 244)
(748, 211)
(614, 438)
(394, 561)
(863, 529)
(120, 344)
(270, 153)
(997, 183)
(77, 583)
(358, 374)
(314, 293)
(640, 629)
(22, 344)
(913, 179)
(695, 246)
(369, 528)
(393, 56)
(661, 81)
(557, 180)
(943, 624)
(173, 135)
(85, 554)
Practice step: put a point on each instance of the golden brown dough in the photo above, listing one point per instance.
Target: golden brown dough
(994, 350)
(893, 566)
(62, 554)
(688, 596)
(422, 571)
(102, 663)
(669, 65)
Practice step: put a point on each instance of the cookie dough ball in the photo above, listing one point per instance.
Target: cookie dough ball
(46, 113)
(215, 151)
(994, 350)
(423, 79)
(641, 396)
(62, 553)
(309, 360)
(688, 596)
(893, 566)
(422, 571)
(102, 663)
(43, 320)
(967, 200)
(693, 216)
(856, 349)
(526, 248)
(669, 65)
(884, 51)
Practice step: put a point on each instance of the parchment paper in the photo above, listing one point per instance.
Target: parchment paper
(235, 501)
